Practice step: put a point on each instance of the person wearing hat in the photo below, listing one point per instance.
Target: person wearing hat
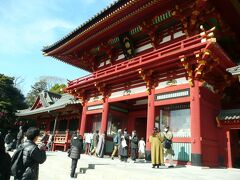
(156, 148)
(168, 151)
(5, 162)
(116, 141)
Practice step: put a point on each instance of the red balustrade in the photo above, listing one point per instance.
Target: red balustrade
(187, 45)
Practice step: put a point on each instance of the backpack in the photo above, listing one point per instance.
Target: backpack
(167, 144)
(17, 166)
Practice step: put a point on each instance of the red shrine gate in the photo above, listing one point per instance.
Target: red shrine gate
(151, 65)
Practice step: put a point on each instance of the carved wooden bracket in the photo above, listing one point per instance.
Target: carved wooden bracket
(210, 65)
(178, 14)
(104, 90)
(110, 51)
(89, 59)
(191, 22)
(201, 63)
(149, 79)
(228, 81)
(151, 31)
(79, 94)
(188, 68)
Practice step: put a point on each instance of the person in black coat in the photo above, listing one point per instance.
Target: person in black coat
(134, 145)
(5, 162)
(75, 151)
(20, 136)
(32, 155)
(123, 149)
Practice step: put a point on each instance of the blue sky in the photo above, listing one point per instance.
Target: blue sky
(28, 25)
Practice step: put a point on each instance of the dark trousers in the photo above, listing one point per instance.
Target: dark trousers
(134, 152)
(123, 158)
(74, 166)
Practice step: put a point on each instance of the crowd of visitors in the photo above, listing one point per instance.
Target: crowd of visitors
(129, 145)
(24, 164)
(32, 150)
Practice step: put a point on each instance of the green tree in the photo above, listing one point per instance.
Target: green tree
(58, 88)
(11, 99)
(38, 87)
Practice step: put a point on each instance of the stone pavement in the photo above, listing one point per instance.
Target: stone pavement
(57, 167)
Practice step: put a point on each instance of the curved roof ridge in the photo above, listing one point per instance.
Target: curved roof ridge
(110, 8)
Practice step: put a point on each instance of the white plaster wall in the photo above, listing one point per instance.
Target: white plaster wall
(92, 99)
(144, 47)
(182, 80)
(133, 91)
(178, 34)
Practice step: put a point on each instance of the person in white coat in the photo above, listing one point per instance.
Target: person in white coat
(141, 150)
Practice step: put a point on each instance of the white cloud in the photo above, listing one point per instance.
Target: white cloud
(25, 38)
(26, 25)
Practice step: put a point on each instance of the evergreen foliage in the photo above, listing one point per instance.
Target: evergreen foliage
(11, 99)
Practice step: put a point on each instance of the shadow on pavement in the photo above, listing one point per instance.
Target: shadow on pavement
(90, 166)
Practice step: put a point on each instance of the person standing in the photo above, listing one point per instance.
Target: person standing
(141, 150)
(9, 141)
(134, 145)
(5, 162)
(50, 142)
(156, 148)
(88, 140)
(124, 146)
(101, 145)
(33, 155)
(95, 142)
(20, 136)
(76, 149)
(116, 141)
(44, 138)
(168, 151)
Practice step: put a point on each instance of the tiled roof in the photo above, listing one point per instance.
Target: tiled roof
(116, 4)
(230, 114)
(66, 99)
(47, 98)
(234, 70)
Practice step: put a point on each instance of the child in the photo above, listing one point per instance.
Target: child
(141, 150)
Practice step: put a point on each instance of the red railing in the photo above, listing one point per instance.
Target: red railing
(60, 138)
(187, 44)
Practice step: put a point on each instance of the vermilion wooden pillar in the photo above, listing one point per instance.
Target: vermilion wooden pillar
(196, 156)
(48, 125)
(104, 116)
(150, 121)
(38, 123)
(131, 123)
(229, 154)
(83, 119)
(68, 122)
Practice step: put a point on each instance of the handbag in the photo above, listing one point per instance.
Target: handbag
(124, 143)
(167, 144)
(69, 152)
